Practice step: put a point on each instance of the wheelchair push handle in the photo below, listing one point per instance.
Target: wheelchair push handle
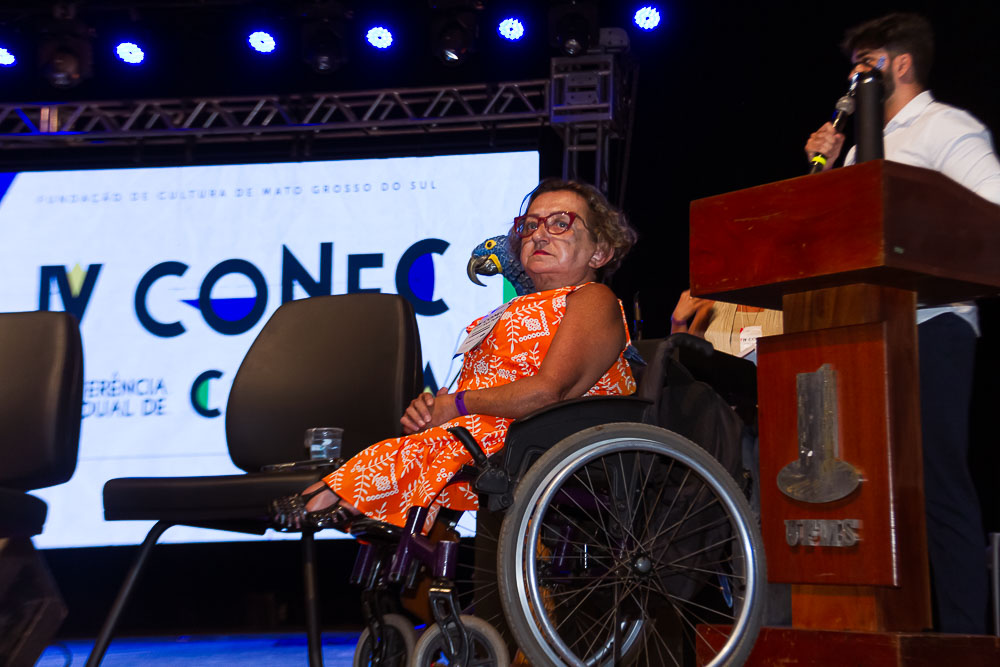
(690, 341)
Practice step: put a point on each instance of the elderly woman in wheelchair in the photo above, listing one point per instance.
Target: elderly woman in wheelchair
(612, 534)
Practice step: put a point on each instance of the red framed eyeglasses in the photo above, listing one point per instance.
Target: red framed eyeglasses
(555, 223)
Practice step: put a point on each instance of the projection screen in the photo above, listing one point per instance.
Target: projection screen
(173, 271)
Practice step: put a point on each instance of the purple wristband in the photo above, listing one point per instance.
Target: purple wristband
(460, 403)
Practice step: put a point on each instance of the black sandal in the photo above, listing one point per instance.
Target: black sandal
(289, 513)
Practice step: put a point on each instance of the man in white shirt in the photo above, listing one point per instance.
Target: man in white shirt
(925, 133)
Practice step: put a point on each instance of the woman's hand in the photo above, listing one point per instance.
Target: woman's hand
(689, 314)
(428, 410)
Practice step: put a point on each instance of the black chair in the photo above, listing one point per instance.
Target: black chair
(41, 387)
(351, 361)
(993, 561)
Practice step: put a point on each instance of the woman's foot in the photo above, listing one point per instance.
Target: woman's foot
(316, 508)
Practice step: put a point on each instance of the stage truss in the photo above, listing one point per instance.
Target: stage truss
(270, 117)
(583, 100)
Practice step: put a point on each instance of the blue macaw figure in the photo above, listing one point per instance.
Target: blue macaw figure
(494, 256)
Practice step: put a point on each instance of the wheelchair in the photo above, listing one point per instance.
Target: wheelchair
(603, 538)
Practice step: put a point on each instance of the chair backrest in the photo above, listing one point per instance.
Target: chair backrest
(351, 361)
(41, 393)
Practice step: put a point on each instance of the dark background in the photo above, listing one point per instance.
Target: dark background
(728, 92)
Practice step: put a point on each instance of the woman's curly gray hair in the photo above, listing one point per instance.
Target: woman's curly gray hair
(607, 225)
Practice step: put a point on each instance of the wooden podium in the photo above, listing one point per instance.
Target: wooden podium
(847, 255)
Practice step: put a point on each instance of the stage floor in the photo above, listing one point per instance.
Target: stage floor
(270, 650)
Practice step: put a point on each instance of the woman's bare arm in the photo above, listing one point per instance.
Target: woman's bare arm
(590, 338)
(691, 315)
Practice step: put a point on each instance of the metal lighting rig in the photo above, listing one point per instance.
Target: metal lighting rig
(588, 101)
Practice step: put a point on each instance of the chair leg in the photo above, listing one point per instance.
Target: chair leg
(104, 637)
(31, 608)
(994, 552)
(313, 634)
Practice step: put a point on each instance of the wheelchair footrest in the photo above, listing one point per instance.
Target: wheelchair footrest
(374, 530)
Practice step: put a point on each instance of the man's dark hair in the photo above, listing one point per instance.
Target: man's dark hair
(896, 33)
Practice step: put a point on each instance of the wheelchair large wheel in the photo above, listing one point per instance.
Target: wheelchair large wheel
(629, 544)
(400, 641)
(488, 648)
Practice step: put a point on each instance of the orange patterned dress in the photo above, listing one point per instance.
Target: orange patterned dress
(385, 480)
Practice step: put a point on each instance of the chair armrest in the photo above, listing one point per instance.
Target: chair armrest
(302, 466)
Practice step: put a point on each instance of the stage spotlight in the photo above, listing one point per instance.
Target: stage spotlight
(454, 30)
(6, 57)
(325, 26)
(65, 53)
(647, 18)
(261, 41)
(323, 47)
(574, 37)
(130, 53)
(379, 37)
(511, 29)
(573, 27)
(63, 69)
(453, 43)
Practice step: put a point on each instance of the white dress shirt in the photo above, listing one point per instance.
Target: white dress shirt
(926, 133)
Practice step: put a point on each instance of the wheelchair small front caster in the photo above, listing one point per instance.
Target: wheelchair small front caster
(398, 639)
(488, 647)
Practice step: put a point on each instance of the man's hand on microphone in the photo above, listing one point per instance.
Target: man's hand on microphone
(826, 141)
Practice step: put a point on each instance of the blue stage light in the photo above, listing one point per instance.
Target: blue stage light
(380, 37)
(511, 29)
(647, 18)
(130, 53)
(261, 41)
(6, 57)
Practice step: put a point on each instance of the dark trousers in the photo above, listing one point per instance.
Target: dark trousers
(955, 538)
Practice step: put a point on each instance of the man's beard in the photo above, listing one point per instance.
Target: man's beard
(888, 80)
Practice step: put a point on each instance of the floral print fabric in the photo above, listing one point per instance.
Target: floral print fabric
(388, 478)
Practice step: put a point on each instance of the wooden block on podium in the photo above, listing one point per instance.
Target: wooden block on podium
(852, 539)
(865, 336)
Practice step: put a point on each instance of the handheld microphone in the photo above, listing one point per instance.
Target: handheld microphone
(842, 111)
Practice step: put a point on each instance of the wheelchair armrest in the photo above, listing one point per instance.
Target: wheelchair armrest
(530, 436)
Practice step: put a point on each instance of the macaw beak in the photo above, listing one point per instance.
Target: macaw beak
(483, 266)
